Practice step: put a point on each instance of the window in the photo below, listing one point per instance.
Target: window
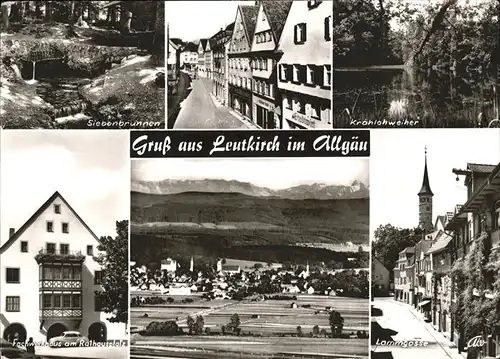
(76, 301)
(12, 304)
(64, 248)
(301, 107)
(66, 273)
(265, 63)
(57, 208)
(90, 250)
(271, 90)
(283, 72)
(77, 273)
(295, 73)
(98, 277)
(328, 28)
(327, 76)
(24, 246)
(310, 75)
(315, 111)
(299, 33)
(66, 300)
(65, 227)
(50, 248)
(313, 3)
(97, 303)
(57, 301)
(50, 226)
(288, 102)
(12, 275)
(47, 301)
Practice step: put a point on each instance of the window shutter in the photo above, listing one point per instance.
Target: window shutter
(327, 28)
(318, 75)
(304, 32)
(289, 72)
(295, 39)
(302, 74)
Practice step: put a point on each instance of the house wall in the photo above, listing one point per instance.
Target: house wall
(28, 289)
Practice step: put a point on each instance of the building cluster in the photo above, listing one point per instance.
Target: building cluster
(272, 65)
(49, 276)
(230, 281)
(454, 265)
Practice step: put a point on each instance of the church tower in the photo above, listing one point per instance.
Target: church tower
(425, 201)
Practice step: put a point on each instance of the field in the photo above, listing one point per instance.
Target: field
(247, 347)
(269, 317)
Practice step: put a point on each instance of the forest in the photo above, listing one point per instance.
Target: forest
(56, 57)
(431, 61)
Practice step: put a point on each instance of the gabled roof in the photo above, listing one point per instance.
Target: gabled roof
(426, 187)
(441, 219)
(276, 13)
(190, 47)
(482, 168)
(441, 243)
(249, 15)
(34, 217)
(176, 41)
(230, 27)
(203, 43)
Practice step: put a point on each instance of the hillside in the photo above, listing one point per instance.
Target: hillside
(245, 227)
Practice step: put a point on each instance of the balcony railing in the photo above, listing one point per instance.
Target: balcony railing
(60, 284)
(61, 313)
(45, 255)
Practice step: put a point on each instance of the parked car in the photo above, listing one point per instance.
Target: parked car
(9, 350)
(68, 339)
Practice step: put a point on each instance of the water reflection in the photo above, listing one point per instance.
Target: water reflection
(380, 96)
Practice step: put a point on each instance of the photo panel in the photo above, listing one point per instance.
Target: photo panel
(82, 65)
(435, 238)
(64, 244)
(416, 64)
(250, 257)
(250, 65)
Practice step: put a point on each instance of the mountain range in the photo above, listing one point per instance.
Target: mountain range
(305, 191)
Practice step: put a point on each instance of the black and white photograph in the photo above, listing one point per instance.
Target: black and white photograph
(250, 258)
(416, 63)
(435, 236)
(64, 244)
(82, 65)
(260, 64)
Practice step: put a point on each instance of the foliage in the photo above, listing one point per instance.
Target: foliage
(195, 326)
(336, 323)
(167, 328)
(234, 324)
(299, 331)
(390, 240)
(113, 258)
(315, 330)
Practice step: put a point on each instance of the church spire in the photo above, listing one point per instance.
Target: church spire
(426, 187)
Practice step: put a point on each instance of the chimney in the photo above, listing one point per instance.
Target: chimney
(11, 232)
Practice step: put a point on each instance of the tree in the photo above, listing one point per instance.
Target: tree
(49, 9)
(323, 332)
(198, 325)
(113, 259)
(390, 240)
(336, 323)
(315, 330)
(191, 324)
(299, 331)
(234, 323)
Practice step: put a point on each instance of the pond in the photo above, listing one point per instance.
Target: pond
(380, 96)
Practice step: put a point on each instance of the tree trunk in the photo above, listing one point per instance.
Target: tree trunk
(125, 19)
(16, 12)
(48, 11)
(114, 16)
(38, 12)
(72, 11)
(5, 15)
(159, 36)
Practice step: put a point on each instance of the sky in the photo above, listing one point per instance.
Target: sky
(192, 20)
(397, 167)
(271, 173)
(90, 169)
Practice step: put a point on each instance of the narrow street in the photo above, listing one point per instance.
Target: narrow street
(410, 326)
(198, 110)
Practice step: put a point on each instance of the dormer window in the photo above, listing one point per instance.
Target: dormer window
(313, 3)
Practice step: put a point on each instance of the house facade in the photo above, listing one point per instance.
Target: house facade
(304, 69)
(209, 63)
(475, 228)
(240, 72)
(173, 66)
(189, 56)
(220, 84)
(48, 277)
(380, 278)
(271, 17)
(201, 58)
